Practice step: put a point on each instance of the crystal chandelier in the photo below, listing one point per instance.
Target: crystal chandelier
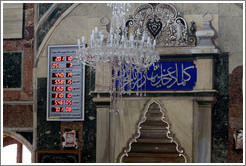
(123, 52)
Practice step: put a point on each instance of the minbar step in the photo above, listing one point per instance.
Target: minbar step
(144, 134)
(154, 140)
(150, 127)
(153, 159)
(153, 148)
(153, 130)
(131, 154)
(153, 123)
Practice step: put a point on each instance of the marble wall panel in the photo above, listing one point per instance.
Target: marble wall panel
(229, 9)
(48, 133)
(230, 34)
(126, 122)
(199, 8)
(180, 115)
(204, 74)
(13, 20)
(229, 40)
(12, 70)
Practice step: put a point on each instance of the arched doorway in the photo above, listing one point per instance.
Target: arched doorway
(14, 151)
(17, 148)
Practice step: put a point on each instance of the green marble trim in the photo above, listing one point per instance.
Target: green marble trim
(46, 26)
(43, 8)
(220, 111)
(19, 85)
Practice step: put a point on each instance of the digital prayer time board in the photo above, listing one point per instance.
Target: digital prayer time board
(65, 85)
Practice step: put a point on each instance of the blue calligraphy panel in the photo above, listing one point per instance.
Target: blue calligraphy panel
(161, 76)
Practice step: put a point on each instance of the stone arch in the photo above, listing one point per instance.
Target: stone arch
(50, 32)
(19, 138)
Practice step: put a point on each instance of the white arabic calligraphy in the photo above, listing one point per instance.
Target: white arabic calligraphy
(169, 77)
(164, 77)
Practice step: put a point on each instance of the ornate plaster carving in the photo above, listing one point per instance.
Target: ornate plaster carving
(163, 23)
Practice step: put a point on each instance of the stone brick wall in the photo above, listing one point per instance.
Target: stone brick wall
(14, 114)
(25, 45)
(17, 116)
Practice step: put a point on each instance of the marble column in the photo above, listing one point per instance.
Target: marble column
(202, 132)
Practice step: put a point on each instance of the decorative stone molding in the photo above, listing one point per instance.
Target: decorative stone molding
(19, 138)
(206, 33)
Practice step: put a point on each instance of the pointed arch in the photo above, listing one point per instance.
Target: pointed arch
(41, 48)
(162, 128)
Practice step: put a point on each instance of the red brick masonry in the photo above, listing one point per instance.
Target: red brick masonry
(14, 114)
(235, 112)
(25, 45)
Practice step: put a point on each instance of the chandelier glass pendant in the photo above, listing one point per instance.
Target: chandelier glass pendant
(124, 53)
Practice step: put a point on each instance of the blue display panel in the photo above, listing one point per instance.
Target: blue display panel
(161, 76)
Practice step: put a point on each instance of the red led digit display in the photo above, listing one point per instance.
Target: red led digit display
(69, 81)
(57, 82)
(57, 109)
(69, 88)
(58, 75)
(55, 65)
(57, 95)
(69, 65)
(69, 58)
(69, 95)
(68, 109)
(58, 58)
(57, 102)
(64, 85)
(68, 102)
(58, 88)
(69, 74)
